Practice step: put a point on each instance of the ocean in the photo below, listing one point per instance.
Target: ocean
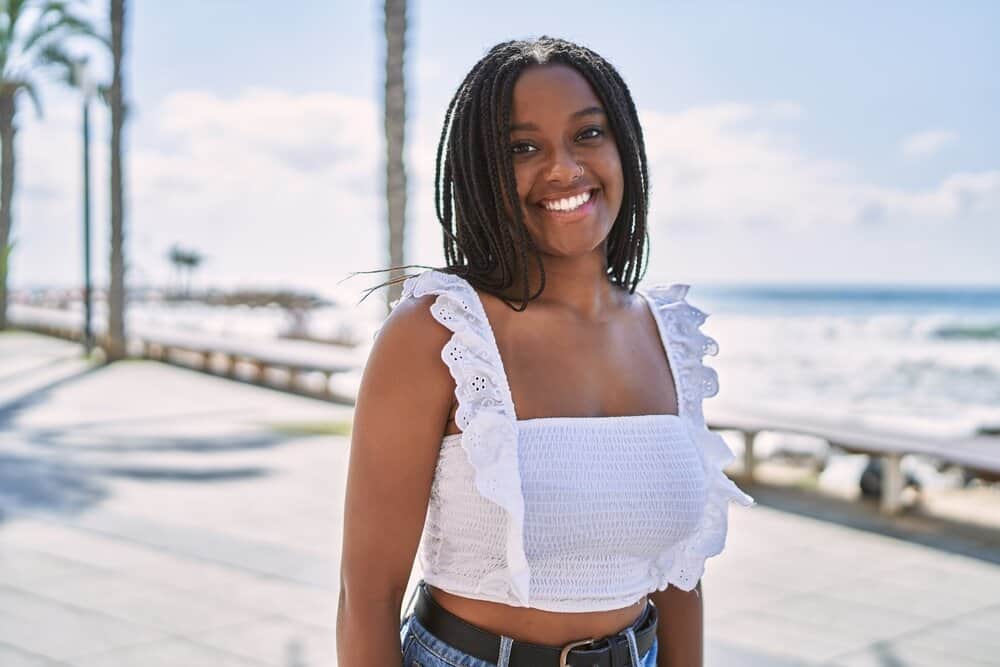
(915, 360)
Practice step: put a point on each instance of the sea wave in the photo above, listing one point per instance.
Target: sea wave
(984, 331)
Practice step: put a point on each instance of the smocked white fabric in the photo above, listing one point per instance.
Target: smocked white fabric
(572, 513)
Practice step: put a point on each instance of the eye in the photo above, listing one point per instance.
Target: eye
(597, 132)
(516, 149)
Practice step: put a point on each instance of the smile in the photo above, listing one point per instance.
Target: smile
(567, 204)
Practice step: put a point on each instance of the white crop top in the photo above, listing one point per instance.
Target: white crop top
(572, 514)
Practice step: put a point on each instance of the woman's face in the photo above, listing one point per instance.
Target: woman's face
(563, 152)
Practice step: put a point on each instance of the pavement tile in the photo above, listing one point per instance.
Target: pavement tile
(769, 634)
(803, 570)
(846, 618)
(986, 620)
(20, 567)
(60, 538)
(724, 595)
(960, 639)
(902, 654)
(34, 375)
(54, 630)
(920, 598)
(169, 653)
(11, 656)
(324, 614)
(262, 594)
(311, 568)
(150, 605)
(276, 641)
(974, 582)
(721, 654)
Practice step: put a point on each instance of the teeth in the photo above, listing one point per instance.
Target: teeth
(568, 204)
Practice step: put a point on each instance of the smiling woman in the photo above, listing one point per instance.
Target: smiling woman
(551, 463)
(566, 160)
(529, 106)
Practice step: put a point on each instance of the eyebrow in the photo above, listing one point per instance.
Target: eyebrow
(589, 111)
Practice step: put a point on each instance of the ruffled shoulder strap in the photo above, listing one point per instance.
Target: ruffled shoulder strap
(485, 413)
(684, 564)
(472, 352)
(686, 345)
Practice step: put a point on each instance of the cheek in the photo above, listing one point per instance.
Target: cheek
(614, 169)
(524, 179)
(614, 179)
(523, 183)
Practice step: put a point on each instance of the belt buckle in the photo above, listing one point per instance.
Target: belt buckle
(569, 647)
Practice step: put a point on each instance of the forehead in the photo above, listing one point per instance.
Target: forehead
(550, 91)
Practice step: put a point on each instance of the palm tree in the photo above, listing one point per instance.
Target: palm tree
(395, 123)
(115, 344)
(185, 262)
(33, 36)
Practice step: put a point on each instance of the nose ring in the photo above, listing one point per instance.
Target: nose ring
(579, 173)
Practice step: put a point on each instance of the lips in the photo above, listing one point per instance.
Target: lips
(564, 195)
(574, 215)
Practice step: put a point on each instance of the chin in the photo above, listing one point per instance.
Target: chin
(578, 247)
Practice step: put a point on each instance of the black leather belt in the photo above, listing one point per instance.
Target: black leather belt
(611, 651)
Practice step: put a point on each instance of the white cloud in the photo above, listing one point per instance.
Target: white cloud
(726, 165)
(273, 187)
(927, 143)
(287, 189)
(286, 184)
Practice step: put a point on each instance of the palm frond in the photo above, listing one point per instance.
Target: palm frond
(104, 93)
(6, 33)
(54, 54)
(14, 8)
(56, 22)
(29, 87)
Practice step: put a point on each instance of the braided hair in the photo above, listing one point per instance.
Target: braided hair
(474, 184)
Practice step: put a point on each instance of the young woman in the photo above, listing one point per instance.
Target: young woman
(528, 417)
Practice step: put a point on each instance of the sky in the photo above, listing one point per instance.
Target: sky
(789, 143)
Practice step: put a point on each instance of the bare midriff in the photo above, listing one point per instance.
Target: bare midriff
(535, 625)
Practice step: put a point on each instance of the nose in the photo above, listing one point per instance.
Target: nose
(564, 167)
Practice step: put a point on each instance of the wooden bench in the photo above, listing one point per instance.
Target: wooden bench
(979, 454)
(295, 357)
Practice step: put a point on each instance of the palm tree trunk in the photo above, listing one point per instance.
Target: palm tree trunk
(395, 123)
(7, 131)
(115, 345)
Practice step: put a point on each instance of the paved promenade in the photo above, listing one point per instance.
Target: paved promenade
(154, 516)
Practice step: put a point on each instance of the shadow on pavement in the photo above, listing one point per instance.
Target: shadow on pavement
(75, 440)
(40, 484)
(30, 370)
(965, 539)
(66, 470)
(29, 483)
(10, 410)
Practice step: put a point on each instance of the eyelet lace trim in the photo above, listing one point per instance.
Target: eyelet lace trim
(485, 413)
(684, 564)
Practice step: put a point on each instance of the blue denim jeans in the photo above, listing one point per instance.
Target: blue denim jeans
(422, 649)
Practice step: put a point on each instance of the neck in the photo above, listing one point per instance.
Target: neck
(577, 284)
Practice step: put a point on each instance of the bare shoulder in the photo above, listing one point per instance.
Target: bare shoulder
(405, 379)
(411, 327)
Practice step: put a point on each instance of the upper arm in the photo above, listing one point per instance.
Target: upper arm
(680, 632)
(402, 406)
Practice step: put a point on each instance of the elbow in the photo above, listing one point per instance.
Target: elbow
(369, 594)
